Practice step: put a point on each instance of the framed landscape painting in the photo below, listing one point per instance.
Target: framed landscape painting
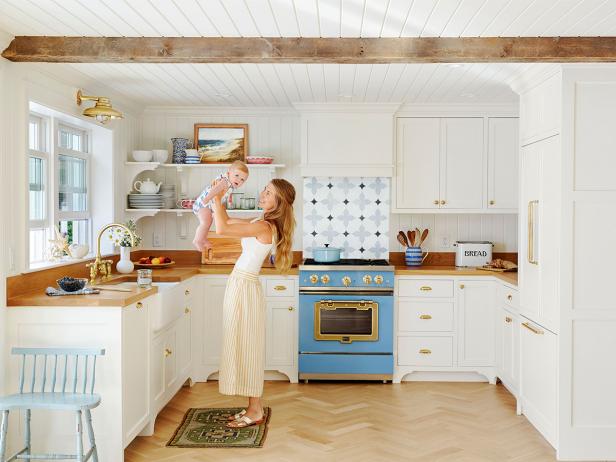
(221, 143)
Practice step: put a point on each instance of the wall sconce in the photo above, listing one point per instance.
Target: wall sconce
(102, 110)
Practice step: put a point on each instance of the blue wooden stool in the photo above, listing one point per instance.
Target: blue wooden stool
(60, 363)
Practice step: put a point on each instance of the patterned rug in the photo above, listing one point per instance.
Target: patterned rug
(206, 428)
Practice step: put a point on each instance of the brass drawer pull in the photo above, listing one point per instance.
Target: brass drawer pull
(534, 330)
(508, 319)
(443, 202)
(168, 352)
(461, 286)
(291, 308)
(187, 292)
(425, 316)
(509, 297)
(425, 288)
(425, 351)
(186, 310)
(492, 202)
(139, 305)
(280, 287)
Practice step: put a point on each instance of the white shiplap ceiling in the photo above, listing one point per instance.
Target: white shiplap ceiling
(282, 84)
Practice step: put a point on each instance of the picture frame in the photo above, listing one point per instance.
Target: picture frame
(221, 143)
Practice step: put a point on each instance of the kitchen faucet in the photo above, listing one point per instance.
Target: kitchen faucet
(103, 267)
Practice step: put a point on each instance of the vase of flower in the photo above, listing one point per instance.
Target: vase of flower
(124, 265)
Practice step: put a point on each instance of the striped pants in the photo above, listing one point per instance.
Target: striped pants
(242, 362)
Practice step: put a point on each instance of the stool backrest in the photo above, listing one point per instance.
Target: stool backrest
(46, 370)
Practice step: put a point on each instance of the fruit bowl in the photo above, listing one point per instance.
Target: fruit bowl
(68, 284)
(150, 265)
(259, 160)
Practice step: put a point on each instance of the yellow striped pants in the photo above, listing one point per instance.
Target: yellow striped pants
(242, 361)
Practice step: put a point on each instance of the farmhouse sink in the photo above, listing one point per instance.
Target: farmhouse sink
(166, 305)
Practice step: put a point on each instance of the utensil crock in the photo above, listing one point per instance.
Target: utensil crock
(414, 256)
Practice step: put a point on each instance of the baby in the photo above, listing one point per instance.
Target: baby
(234, 178)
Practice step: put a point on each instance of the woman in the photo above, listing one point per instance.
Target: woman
(243, 353)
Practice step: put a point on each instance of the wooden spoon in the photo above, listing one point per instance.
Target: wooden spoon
(424, 235)
(411, 239)
(402, 239)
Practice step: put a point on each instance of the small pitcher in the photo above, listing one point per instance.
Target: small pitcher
(414, 257)
(179, 149)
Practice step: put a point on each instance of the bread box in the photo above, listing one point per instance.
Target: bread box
(473, 253)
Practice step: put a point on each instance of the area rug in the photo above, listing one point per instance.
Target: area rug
(206, 428)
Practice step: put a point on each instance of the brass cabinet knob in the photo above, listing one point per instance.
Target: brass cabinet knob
(168, 352)
(139, 305)
(425, 316)
(291, 308)
(314, 278)
(508, 319)
(425, 351)
(186, 310)
(461, 286)
(378, 279)
(367, 279)
(443, 202)
(325, 279)
(346, 281)
(509, 297)
(436, 202)
(492, 202)
(187, 292)
(280, 287)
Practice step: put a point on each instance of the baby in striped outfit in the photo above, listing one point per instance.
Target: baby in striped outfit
(235, 177)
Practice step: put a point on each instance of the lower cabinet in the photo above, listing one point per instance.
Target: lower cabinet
(538, 377)
(476, 306)
(508, 349)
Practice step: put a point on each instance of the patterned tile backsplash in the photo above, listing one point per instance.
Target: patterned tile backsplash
(350, 213)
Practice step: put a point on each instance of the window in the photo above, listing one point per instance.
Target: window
(58, 171)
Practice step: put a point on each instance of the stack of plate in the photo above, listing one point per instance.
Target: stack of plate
(145, 201)
(192, 159)
(169, 197)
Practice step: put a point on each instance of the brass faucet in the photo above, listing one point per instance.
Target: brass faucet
(103, 267)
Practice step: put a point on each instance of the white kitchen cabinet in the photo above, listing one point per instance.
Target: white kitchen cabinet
(538, 377)
(476, 307)
(539, 232)
(507, 349)
(281, 342)
(209, 331)
(503, 163)
(540, 110)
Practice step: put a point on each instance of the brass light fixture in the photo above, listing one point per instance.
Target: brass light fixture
(102, 110)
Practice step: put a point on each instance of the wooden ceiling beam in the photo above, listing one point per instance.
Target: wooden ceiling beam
(309, 50)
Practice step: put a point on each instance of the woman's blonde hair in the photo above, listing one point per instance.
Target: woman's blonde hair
(283, 221)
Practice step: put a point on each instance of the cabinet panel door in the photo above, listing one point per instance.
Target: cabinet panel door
(503, 149)
(157, 362)
(476, 306)
(214, 294)
(281, 344)
(462, 175)
(417, 166)
(184, 343)
(171, 357)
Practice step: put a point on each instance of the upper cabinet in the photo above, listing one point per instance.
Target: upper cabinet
(347, 140)
(540, 111)
(460, 164)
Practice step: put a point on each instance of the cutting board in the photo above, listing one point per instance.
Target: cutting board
(497, 270)
(225, 250)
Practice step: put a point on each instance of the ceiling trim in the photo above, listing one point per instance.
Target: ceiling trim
(309, 50)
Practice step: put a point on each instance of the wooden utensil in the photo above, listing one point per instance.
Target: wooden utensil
(410, 238)
(113, 289)
(402, 239)
(424, 236)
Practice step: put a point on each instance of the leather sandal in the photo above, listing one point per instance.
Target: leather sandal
(237, 416)
(244, 422)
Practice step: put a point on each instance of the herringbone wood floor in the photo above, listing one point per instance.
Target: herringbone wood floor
(350, 421)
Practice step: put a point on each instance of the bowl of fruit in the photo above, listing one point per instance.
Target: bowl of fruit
(154, 262)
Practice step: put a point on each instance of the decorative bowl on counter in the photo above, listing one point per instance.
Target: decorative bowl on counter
(69, 284)
(259, 160)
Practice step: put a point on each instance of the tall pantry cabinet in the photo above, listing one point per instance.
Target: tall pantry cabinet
(567, 218)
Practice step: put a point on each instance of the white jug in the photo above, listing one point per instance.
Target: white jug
(147, 186)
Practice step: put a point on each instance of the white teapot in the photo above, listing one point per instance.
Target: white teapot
(147, 186)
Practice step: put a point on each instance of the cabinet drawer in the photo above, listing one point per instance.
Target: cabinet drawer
(424, 315)
(509, 297)
(425, 288)
(425, 351)
(280, 288)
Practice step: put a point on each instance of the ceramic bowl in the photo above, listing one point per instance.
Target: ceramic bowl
(69, 284)
(160, 155)
(78, 250)
(142, 156)
(259, 160)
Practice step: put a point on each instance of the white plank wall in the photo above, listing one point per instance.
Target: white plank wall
(272, 133)
(445, 229)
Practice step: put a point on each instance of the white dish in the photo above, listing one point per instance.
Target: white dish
(160, 155)
(142, 156)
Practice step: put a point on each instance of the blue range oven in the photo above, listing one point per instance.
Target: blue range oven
(346, 320)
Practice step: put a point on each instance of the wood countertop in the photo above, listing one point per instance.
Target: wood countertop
(181, 273)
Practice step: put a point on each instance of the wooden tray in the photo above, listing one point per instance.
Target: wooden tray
(224, 251)
(160, 265)
(497, 270)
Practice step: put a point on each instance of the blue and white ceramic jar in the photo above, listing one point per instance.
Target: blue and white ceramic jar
(413, 256)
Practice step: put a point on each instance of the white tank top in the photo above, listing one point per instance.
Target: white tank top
(253, 254)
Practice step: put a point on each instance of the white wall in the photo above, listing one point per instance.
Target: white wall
(272, 132)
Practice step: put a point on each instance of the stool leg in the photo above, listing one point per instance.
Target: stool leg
(3, 427)
(88, 416)
(79, 457)
(27, 432)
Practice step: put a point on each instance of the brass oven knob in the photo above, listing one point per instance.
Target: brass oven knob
(346, 281)
(325, 279)
(314, 278)
(378, 279)
(367, 279)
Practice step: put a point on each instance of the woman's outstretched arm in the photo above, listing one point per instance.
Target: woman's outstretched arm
(224, 225)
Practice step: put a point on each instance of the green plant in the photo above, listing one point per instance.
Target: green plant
(122, 238)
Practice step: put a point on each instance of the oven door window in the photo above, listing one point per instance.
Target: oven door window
(346, 321)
